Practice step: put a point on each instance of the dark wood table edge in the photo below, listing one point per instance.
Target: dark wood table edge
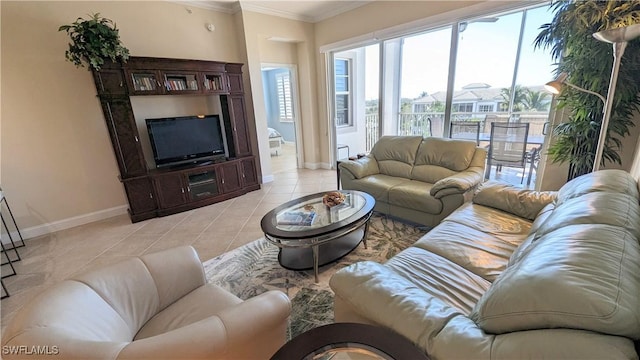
(388, 342)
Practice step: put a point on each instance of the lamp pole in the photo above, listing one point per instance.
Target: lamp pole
(618, 51)
(619, 38)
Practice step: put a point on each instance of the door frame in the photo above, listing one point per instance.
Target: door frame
(295, 96)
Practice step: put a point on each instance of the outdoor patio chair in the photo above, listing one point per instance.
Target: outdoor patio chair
(468, 130)
(507, 146)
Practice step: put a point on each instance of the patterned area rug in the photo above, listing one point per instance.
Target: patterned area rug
(253, 269)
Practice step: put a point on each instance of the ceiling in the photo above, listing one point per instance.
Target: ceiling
(307, 10)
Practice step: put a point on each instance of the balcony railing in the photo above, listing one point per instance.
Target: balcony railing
(432, 123)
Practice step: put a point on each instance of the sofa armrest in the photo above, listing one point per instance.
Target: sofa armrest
(458, 183)
(523, 203)
(360, 168)
(388, 299)
(253, 327)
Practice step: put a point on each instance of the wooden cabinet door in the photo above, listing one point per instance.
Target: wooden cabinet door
(235, 83)
(171, 190)
(231, 177)
(249, 173)
(141, 195)
(234, 78)
(124, 137)
(238, 119)
(110, 82)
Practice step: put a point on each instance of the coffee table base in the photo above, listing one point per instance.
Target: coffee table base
(302, 258)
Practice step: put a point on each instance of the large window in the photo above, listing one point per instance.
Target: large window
(462, 107)
(482, 69)
(342, 69)
(423, 82)
(285, 101)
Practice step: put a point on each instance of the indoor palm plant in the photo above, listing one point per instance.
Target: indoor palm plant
(588, 63)
(93, 41)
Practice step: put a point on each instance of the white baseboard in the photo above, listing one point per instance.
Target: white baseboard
(48, 228)
(316, 166)
(267, 179)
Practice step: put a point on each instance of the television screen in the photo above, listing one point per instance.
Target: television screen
(179, 140)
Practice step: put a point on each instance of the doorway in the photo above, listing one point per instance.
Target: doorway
(281, 106)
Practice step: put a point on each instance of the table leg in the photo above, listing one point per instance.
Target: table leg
(364, 236)
(338, 173)
(315, 251)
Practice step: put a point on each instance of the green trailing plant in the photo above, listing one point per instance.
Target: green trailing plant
(588, 63)
(93, 41)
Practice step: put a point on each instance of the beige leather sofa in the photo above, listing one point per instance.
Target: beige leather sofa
(414, 179)
(514, 275)
(157, 306)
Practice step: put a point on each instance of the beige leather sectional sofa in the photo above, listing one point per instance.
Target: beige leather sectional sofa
(514, 274)
(421, 180)
(157, 306)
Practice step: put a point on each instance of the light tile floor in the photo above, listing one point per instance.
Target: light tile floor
(211, 230)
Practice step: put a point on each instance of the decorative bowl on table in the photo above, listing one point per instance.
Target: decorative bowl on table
(333, 198)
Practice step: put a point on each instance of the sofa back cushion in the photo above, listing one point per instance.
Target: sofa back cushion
(581, 276)
(396, 154)
(580, 266)
(128, 288)
(611, 181)
(73, 317)
(438, 158)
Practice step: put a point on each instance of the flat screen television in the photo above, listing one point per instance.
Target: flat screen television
(186, 139)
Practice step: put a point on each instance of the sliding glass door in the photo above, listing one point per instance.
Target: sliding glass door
(423, 83)
(356, 92)
(480, 70)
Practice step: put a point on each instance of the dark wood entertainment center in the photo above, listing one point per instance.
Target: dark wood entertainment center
(160, 192)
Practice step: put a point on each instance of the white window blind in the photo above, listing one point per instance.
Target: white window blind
(285, 102)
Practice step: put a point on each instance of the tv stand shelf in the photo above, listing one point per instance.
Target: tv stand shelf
(160, 192)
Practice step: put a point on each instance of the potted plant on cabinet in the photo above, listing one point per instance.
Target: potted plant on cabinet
(93, 41)
(588, 63)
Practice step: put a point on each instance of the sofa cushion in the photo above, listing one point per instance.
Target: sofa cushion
(506, 197)
(415, 195)
(396, 154)
(612, 181)
(199, 304)
(438, 158)
(379, 185)
(470, 238)
(594, 208)
(583, 276)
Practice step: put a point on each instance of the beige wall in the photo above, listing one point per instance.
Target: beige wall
(57, 160)
(257, 29)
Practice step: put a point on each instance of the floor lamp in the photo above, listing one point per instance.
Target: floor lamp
(619, 37)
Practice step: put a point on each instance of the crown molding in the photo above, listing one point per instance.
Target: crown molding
(347, 6)
(233, 6)
(229, 7)
(336, 10)
(268, 11)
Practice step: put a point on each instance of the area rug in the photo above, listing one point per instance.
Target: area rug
(253, 269)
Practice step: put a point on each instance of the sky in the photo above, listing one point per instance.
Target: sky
(486, 54)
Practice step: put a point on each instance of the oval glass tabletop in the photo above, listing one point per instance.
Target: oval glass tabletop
(309, 216)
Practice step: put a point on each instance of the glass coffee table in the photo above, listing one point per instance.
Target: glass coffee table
(310, 234)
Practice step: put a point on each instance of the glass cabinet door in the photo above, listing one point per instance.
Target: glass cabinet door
(181, 82)
(214, 83)
(145, 82)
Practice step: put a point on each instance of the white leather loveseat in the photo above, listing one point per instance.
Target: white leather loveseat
(157, 306)
(515, 274)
